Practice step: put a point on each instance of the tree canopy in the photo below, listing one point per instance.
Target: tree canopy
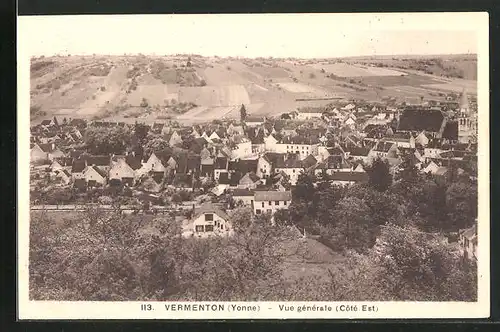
(105, 141)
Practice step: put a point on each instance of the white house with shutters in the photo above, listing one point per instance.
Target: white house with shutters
(210, 220)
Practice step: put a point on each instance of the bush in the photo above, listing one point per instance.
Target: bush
(56, 84)
(34, 109)
(176, 198)
(103, 88)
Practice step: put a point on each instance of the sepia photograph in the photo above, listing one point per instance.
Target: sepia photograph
(261, 166)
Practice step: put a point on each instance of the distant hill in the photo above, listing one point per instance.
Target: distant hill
(462, 66)
(194, 88)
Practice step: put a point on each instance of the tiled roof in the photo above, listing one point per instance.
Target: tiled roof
(99, 171)
(273, 196)
(223, 178)
(383, 146)
(332, 162)
(133, 161)
(252, 176)
(47, 148)
(274, 157)
(207, 168)
(421, 119)
(359, 151)
(210, 208)
(299, 139)
(242, 192)
(290, 162)
(98, 160)
(335, 151)
(221, 163)
(451, 130)
(309, 161)
(65, 161)
(78, 166)
(246, 166)
(193, 163)
(349, 176)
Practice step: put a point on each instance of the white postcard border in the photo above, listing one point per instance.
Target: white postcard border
(266, 310)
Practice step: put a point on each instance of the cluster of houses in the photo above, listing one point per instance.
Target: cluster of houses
(259, 159)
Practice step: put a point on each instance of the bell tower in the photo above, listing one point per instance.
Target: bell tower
(465, 126)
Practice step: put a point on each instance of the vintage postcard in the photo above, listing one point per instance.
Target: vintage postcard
(253, 166)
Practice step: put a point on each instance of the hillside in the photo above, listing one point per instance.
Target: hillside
(195, 88)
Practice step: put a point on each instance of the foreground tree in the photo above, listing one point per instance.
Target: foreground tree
(379, 175)
(354, 228)
(243, 113)
(418, 265)
(461, 202)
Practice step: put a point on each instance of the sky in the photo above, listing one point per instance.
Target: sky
(251, 35)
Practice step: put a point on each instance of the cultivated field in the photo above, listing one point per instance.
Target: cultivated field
(228, 95)
(154, 95)
(455, 87)
(347, 70)
(104, 86)
(204, 114)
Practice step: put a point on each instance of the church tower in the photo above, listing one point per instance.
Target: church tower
(466, 125)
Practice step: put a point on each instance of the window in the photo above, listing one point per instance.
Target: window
(262, 204)
(293, 170)
(284, 202)
(209, 228)
(270, 203)
(209, 217)
(257, 211)
(199, 228)
(277, 203)
(221, 226)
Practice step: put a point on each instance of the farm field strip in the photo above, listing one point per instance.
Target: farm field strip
(228, 95)
(299, 88)
(453, 87)
(193, 113)
(154, 94)
(347, 70)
